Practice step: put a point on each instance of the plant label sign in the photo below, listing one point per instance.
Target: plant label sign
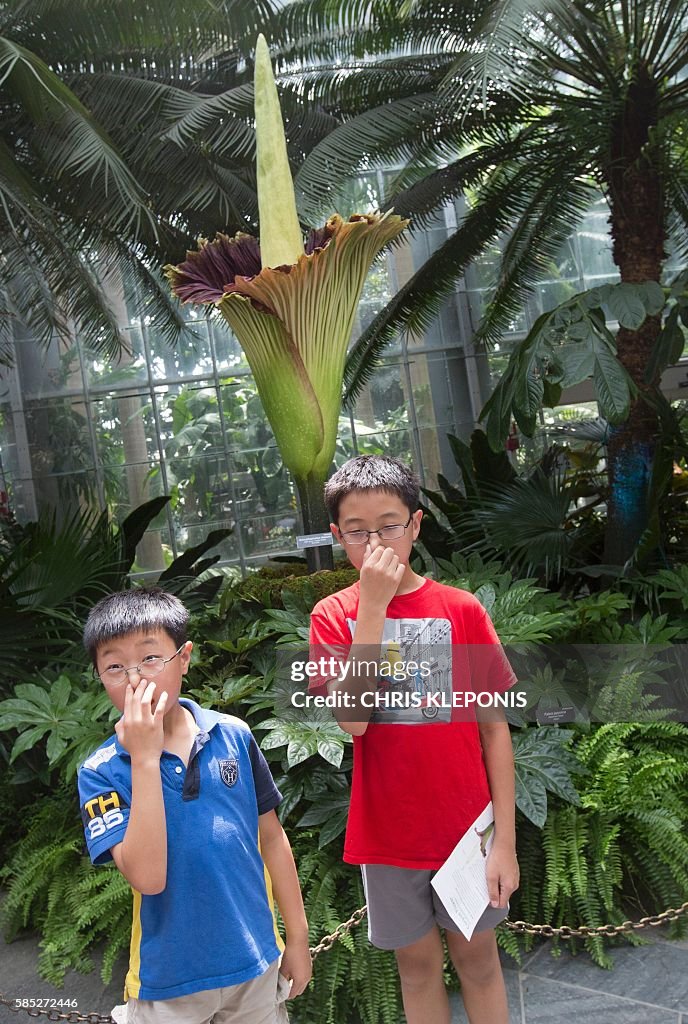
(555, 715)
(314, 540)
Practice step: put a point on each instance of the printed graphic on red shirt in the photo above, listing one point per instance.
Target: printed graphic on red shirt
(415, 658)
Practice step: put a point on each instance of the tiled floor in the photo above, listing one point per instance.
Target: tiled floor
(649, 985)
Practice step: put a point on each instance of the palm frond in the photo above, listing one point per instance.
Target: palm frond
(663, 45)
(557, 203)
(382, 133)
(529, 519)
(354, 86)
(317, 30)
(148, 288)
(422, 200)
(45, 281)
(75, 33)
(496, 53)
(417, 303)
(233, 107)
(70, 142)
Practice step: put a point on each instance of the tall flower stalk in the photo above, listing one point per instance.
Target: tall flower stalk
(292, 306)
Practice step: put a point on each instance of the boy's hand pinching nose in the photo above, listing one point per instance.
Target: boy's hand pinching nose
(381, 574)
(140, 729)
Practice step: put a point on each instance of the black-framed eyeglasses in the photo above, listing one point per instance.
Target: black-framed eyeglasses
(152, 665)
(393, 532)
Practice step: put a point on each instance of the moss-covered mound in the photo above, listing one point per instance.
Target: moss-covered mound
(266, 585)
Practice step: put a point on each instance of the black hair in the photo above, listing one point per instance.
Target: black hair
(135, 611)
(372, 473)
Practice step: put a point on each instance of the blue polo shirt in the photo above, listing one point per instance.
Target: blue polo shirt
(213, 924)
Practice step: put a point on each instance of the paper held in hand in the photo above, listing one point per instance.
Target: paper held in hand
(461, 883)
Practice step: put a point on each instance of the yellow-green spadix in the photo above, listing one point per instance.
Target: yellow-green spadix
(281, 241)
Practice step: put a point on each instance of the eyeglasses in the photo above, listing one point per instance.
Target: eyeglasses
(386, 533)
(152, 665)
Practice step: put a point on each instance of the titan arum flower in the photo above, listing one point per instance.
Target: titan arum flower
(291, 306)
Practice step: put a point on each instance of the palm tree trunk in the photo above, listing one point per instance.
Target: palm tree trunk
(638, 231)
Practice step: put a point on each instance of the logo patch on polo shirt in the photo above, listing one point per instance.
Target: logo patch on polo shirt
(229, 771)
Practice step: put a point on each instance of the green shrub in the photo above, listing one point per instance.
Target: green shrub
(52, 888)
(353, 978)
(622, 853)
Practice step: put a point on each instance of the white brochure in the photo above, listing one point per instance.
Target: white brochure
(461, 883)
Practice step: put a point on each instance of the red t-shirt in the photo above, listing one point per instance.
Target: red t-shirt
(419, 778)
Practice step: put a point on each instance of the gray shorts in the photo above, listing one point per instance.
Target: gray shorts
(403, 906)
(257, 1001)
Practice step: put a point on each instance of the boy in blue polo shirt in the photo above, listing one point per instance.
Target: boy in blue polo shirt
(184, 803)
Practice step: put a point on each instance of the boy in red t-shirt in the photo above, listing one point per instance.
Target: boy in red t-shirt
(423, 768)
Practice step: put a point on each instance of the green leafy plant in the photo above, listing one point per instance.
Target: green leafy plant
(353, 979)
(90, 166)
(623, 849)
(544, 761)
(521, 610)
(74, 717)
(52, 574)
(52, 887)
(543, 521)
(571, 343)
(268, 585)
(523, 146)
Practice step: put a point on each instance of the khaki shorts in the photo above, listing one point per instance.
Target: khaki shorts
(258, 1001)
(403, 906)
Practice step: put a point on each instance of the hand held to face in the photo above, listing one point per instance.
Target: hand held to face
(140, 730)
(381, 573)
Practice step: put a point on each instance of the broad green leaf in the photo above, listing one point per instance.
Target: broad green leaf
(497, 411)
(300, 749)
(528, 394)
(60, 692)
(16, 713)
(27, 740)
(291, 795)
(531, 797)
(35, 694)
(576, 362)
(322, 810)
(542, 762)
(668, 348)
(55, 746)
(332, 750)
(627, 306)
(526, 422)
(580, 331)
(487, 596)
(611, 384)
(332, 828)
(277, 737)
(596, 297)
(652, 294)
(556, 778)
